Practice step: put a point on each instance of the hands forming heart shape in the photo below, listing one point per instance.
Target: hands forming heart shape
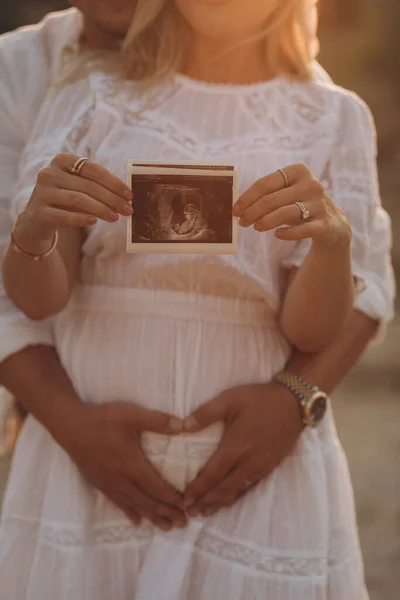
(262, 424)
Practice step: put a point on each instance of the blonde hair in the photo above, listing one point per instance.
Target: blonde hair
(155, 45)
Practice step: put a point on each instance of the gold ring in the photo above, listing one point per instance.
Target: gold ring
(305, 214)
(285, 177)
(78, 166)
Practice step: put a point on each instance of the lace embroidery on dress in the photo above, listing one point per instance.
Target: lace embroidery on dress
(47, 148)
(76, 137)
(353, 175)
(271, 110)
(265, 561)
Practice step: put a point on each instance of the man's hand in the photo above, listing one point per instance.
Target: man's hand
(262, 425)
(105, 444)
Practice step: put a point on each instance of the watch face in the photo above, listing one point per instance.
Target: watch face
(317, 410)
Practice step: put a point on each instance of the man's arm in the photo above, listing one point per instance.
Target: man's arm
(374, 309)
(35, 376)
(328, 368)
(266, 420)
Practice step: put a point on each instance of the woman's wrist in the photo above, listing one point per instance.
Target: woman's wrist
(339, 240)
(30, 238)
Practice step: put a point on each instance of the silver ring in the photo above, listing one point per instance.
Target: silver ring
(305, 214)
(285, 177)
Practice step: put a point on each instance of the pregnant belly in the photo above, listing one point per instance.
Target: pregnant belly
(162, 356)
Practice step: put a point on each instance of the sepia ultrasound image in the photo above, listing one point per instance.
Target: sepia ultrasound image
(178, 208)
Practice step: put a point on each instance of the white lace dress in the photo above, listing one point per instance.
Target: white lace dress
(170, 332)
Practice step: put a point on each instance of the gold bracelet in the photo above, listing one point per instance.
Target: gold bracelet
(31, 256)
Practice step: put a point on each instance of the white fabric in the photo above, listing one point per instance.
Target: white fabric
(172, 331)
(259, 127)
(28, 57)
(293, 537)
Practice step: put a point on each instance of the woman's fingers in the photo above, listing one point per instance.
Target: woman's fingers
(309, 192)
(96, 173)
(310, 229)
(287, 215)
(267, 205)
(96, 191)
(271, 184)
(66, 206)
(53, 178)
(58, 218)
(81, 202)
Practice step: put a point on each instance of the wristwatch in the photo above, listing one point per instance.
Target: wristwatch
(314, 402)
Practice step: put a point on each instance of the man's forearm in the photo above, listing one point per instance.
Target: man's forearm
(36, 377)
(327, 368)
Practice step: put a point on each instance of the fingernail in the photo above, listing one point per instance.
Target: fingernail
(113, 216)
(190, 424)
(91, 220)
(188, 502)
(175, 425)
(194, 512)
(243, 223)
(257, 227)
(236, 210)
(127, 209)
(128, 195)
(180, 504)
(180, 524)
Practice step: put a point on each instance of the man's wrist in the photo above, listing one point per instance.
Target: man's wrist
(64, 421)
(313, 402)
(286, 397)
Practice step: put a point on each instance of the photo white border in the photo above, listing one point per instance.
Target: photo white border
(176, 167)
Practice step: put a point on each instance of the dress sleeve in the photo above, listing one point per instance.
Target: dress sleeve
(16, 330)
(351, 179)
(378, 299)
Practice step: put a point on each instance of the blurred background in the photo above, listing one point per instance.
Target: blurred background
(360, 47)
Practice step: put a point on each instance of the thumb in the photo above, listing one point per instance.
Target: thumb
(156, 421)
(207, 414)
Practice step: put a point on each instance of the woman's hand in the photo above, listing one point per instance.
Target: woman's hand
(104, 441)
(63, 200)
(270, 203)
(262, 425)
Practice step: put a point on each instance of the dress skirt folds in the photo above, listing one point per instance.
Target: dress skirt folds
(293, 537)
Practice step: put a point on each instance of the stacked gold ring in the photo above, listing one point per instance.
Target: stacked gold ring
(78, 166)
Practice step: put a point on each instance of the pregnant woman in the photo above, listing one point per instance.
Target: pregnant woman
(195, 337)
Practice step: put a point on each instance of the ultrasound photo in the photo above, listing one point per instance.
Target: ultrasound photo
(182, 209)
